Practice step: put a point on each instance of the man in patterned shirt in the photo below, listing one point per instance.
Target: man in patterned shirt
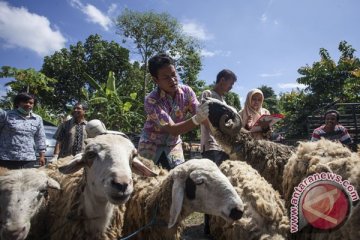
(71, 134)
(21, 134)
(166, 108)
(332, 130)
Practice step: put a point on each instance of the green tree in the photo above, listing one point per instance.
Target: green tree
(270, 99)
(293, 106)
(329, 81)
(233, 99)
(27, 80)
(95, 57)
(326, 82)
(152, 33)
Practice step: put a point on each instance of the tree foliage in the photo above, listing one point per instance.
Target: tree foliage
(27, 80)
(270, 99)
(326, 82)
(95, 57)
(118, 112)
(152, 33)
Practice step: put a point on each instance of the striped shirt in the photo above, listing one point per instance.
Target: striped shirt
(20, 136)
(340, 133)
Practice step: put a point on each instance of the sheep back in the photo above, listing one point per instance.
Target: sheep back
(265, 216)
(324, 156)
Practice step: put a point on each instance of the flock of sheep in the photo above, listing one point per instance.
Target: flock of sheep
(109, 192)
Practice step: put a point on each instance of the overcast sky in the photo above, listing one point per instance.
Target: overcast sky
(263, 41)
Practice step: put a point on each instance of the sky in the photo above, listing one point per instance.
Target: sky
(264, 42)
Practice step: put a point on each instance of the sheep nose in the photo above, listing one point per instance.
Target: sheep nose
(236, 214)
(119, 186)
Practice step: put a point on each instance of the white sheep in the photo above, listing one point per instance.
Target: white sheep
(194, 186)
(325, 157)
(86, 207)
(265, 216)
(23, 200)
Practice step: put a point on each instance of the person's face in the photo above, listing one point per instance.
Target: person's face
(330, 120)
(78, 111)
(227, 84)
(27, 105)
(167, 79)
(256, 101)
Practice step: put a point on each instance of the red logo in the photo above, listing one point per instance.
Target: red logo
(325, 206)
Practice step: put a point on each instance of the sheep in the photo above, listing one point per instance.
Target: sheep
(23, 200)
(97, 182)
(37, 222)
(324, 157)
(196, 185)
(267, 157)
(290, 165)
(265, 216)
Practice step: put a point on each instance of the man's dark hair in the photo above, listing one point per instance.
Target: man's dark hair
(332, 111)
(227, 74)
(158, 61)
(23, 97)
(84, 105)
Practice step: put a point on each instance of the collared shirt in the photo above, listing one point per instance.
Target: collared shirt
(21, 136)
(207, 140)
(340, 133)
(66, 134)
(162, 109)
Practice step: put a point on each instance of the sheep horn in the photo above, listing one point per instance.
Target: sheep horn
(230, 126)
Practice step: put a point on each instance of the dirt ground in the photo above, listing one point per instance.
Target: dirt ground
(194, 229)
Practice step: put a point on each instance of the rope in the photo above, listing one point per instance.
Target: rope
(152, 222)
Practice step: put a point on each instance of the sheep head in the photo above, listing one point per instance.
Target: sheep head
(223, 117)
(22, 193)
(199, 186)
(108, 161)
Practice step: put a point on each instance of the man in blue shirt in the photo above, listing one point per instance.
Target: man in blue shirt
(21, 134)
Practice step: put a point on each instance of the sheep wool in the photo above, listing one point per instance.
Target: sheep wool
(194, 186)
(150, 195)
(325, 156)
(265, 216)
(66, 213)
(267, 157)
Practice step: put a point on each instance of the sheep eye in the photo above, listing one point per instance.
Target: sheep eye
(44, 192)
(91, 154)
(199, 182)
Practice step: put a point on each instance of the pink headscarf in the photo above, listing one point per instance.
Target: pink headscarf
(248, 110)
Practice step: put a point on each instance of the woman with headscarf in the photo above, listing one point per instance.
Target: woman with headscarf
(252, 112)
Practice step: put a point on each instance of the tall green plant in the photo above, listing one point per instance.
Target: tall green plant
(118, 112)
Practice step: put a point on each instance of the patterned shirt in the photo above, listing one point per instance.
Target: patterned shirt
(162, 109)
(68, 135)
(340, 133)
(21, 136)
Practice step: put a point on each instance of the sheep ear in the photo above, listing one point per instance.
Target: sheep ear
(177, 198)
(139, 168)
(51, 183)
(75, 165)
